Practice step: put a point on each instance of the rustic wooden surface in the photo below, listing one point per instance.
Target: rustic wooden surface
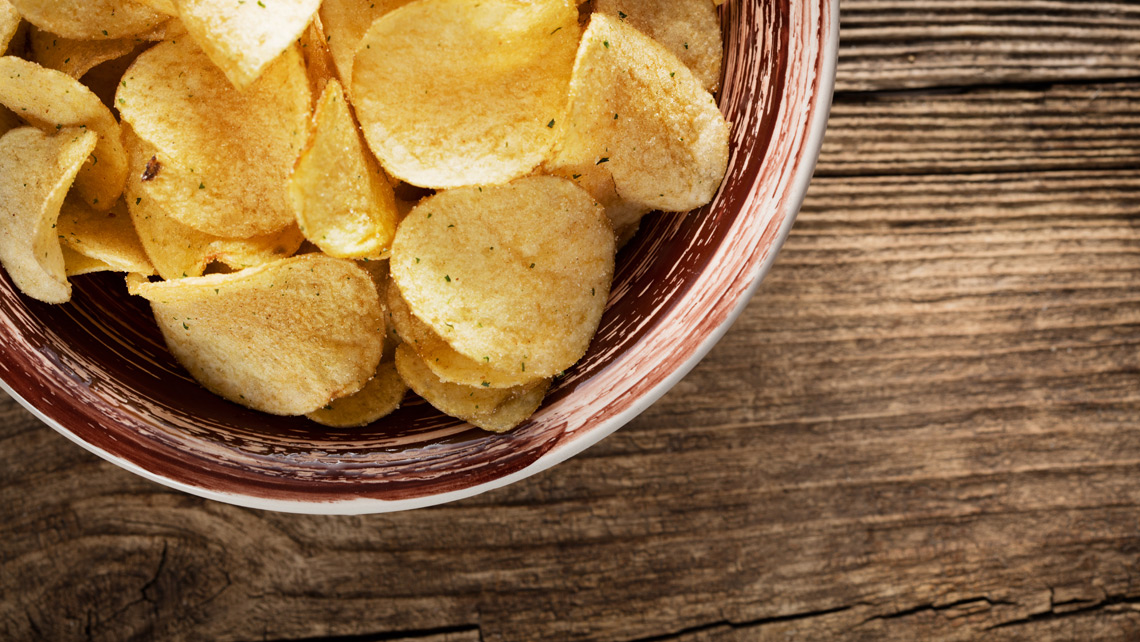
(925, 426)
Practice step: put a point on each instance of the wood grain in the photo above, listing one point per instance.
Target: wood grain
(897, 44)
(923, 427)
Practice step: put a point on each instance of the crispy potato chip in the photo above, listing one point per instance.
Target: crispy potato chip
(496, 410)
(447, 364)
(75, 264)
(52, 100)
(108, 237)
(76, 57)
(690, 29)
(103, 79)
(378, 270)
(36, 171)
(515, 275)
(379, 398)
(285, 338)
(179, 251)
(243, 38)
(625, 217)
(465, 92)
(9, 24)
(162, 6)
(318, 59)
(345, 23)
(344, 203)
(226, 154)
(89, 19)
(639, 115)
(172, 29)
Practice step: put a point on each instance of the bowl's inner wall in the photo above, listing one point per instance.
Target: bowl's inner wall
(98, 365)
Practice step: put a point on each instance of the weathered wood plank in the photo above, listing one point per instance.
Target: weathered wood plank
(1058, 128)
(897, 44)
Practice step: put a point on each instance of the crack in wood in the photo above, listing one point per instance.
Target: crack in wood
(1054, 614)
(867, 95)
(408, 634)
(700, 628)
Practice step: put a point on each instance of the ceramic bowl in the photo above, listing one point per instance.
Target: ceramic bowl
(97, 370)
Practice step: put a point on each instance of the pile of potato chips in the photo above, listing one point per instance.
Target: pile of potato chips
(329, 203)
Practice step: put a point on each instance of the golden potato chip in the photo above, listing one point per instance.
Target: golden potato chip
(342, 199)
(178, 251)
(243, 38)
(689, 29)
(638, 115)
(36, 171)
(379, 398)
(318, 60)
(625, 218)
(378, 270)
(497, 410)
(52, 100)
(103, 79)
(9, 24)
(226, 154)
(75, 264)
(285, 338)
(89, 19)
(465, 92)
(447, 364)
(76, 57)
(345, 23)
(162, 6)
(108, 237)
(516, 275)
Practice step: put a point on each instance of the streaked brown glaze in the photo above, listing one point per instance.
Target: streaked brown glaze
(98, 367)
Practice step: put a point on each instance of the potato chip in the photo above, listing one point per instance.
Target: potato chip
(465, 92)
(378, 270)
(379, 398)
(689, 29)
(343, 201)
(243, 38)
(9, 24)
(345, 23)
(285, 338)
(447, 364)
(639, 115)
(103, 79)
(108, 237)
(226, 154)
(515, 275)
(162, 6)
(318, 59)
(52, 100)
(497, 410)
(36, 171)
(76, 57)
(89, 19)
(178, 251)
(75, 264)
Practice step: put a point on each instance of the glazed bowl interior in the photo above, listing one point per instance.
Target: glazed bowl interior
(97, 370)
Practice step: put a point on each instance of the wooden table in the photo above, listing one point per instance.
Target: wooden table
(925, 426)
